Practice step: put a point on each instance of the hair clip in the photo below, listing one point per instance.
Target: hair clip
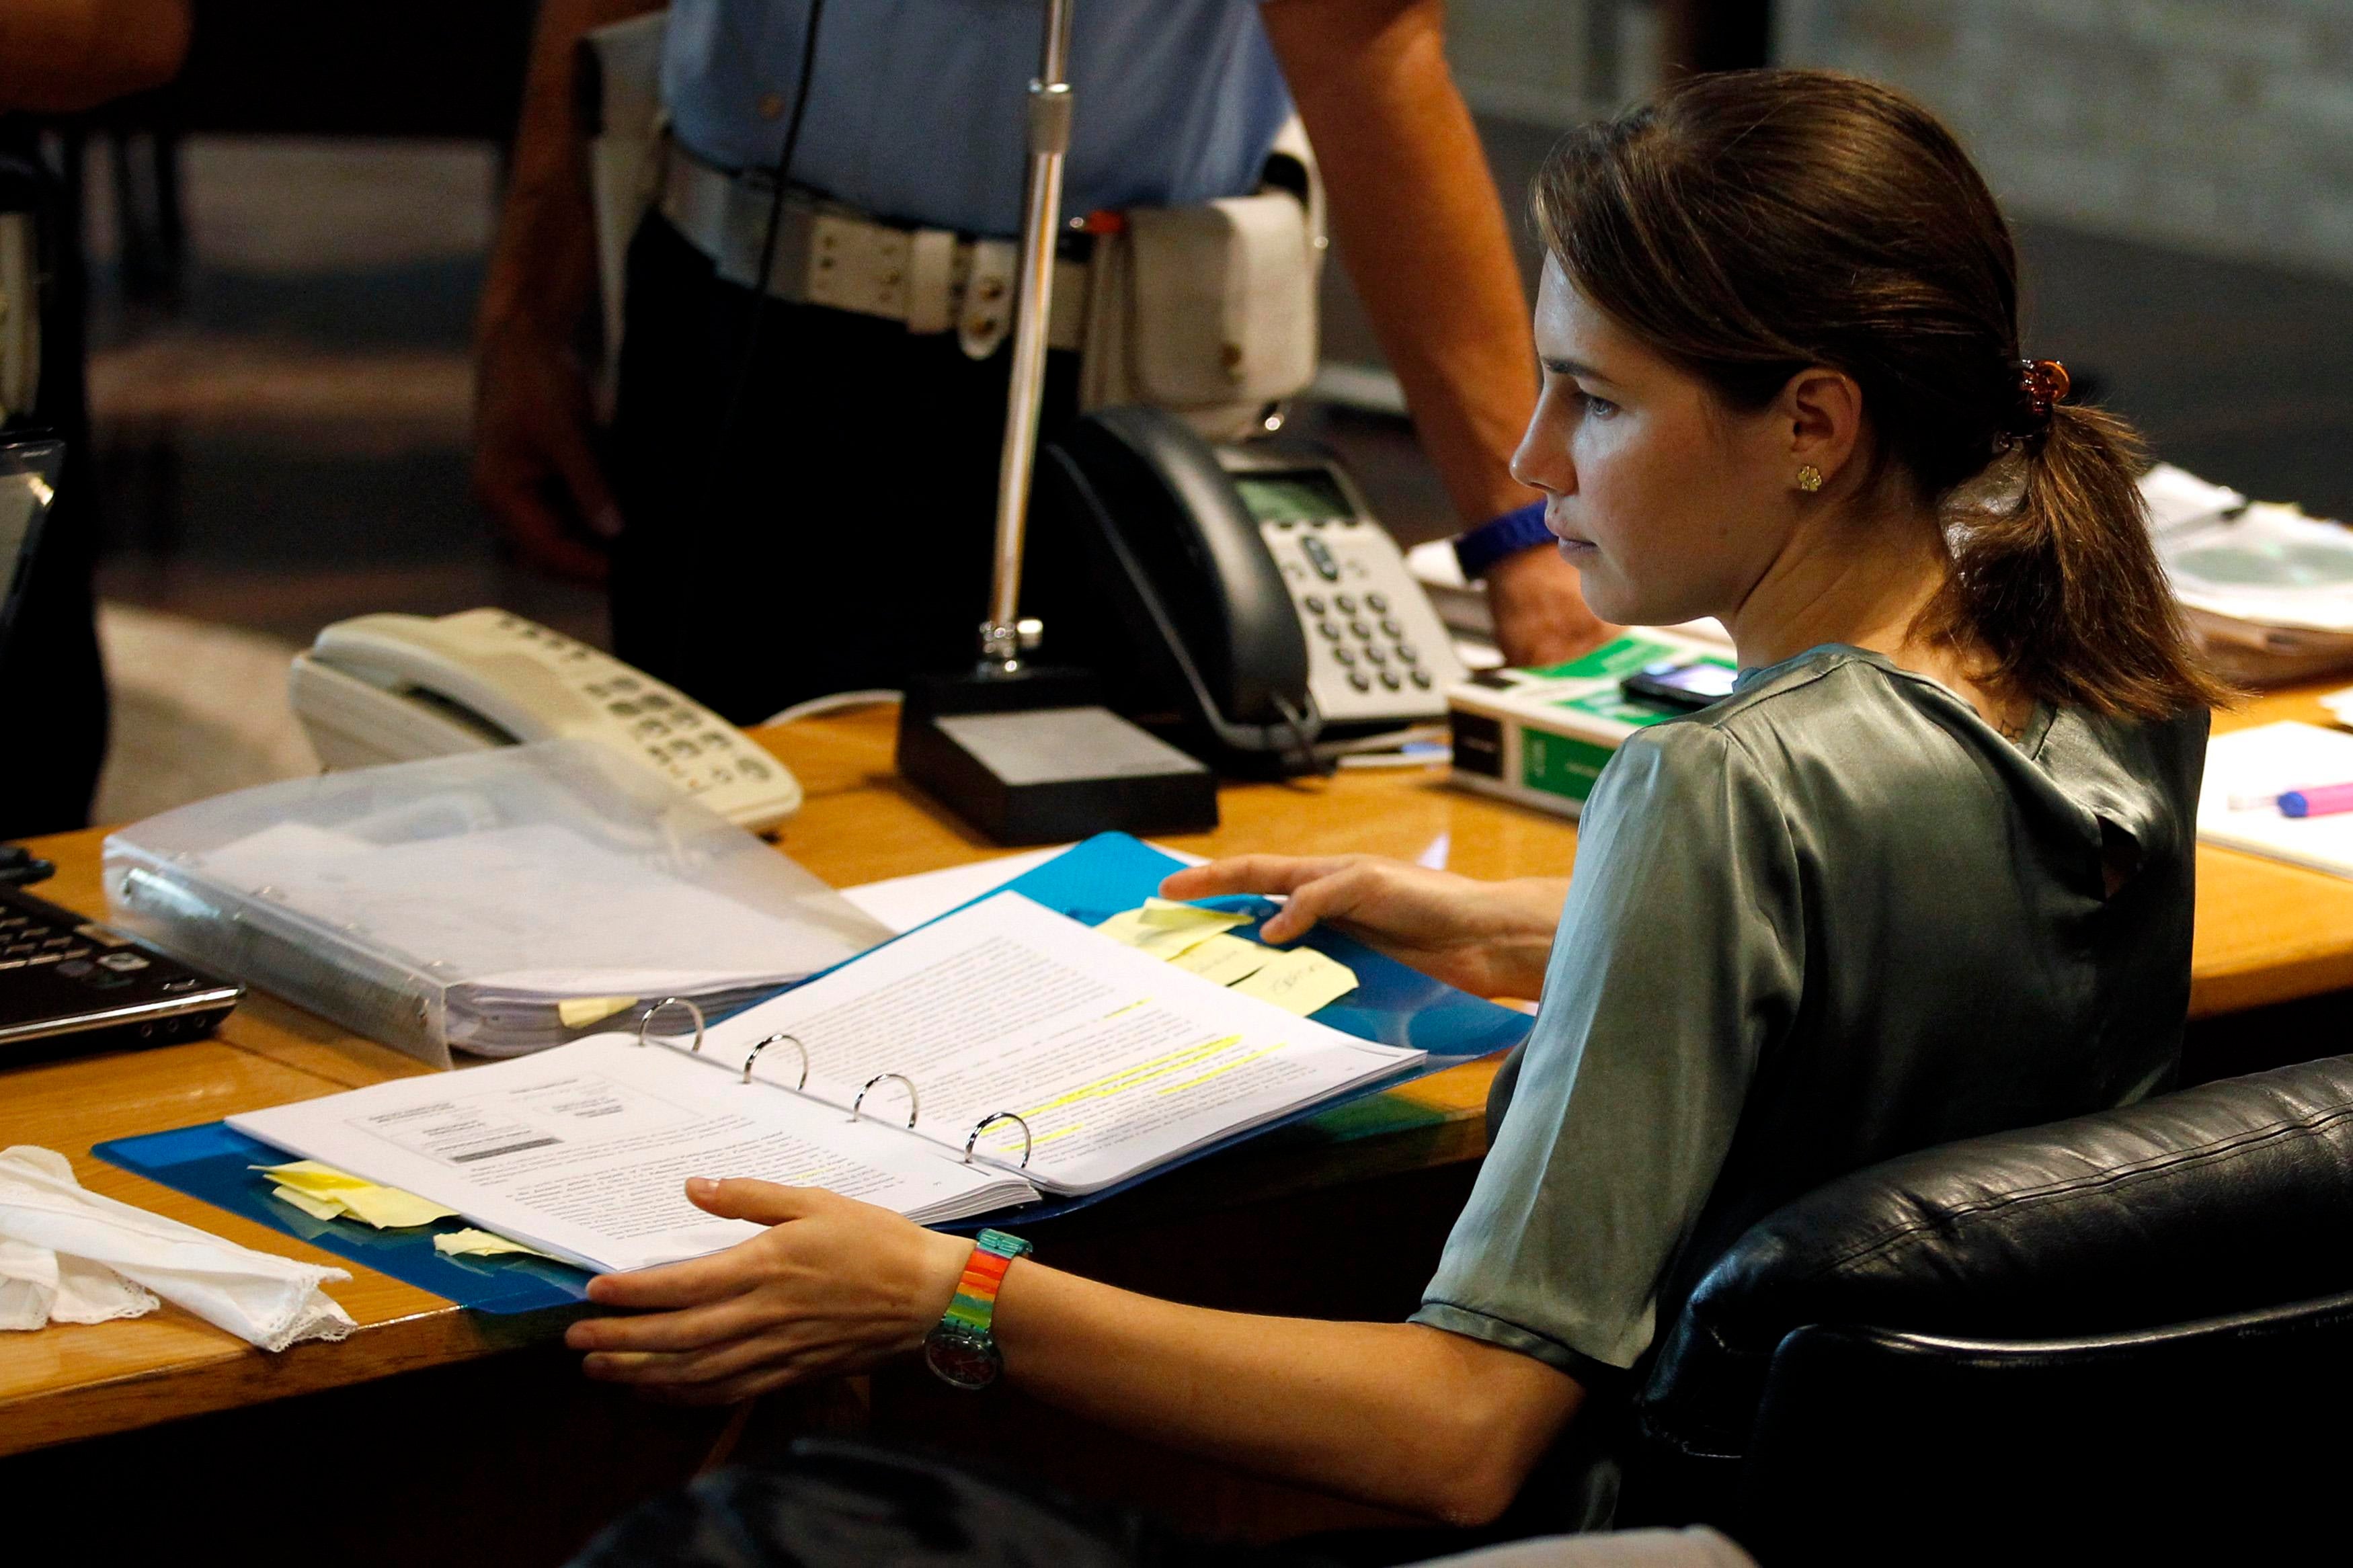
(991, 1120)
(881, 1078)
(664, 1006)
(2043, 384)
(770, 1040)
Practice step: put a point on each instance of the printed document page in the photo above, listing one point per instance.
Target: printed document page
(1118, 1061)
(584, 1151)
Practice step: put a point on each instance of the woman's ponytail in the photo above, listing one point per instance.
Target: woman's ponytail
(2062, 587)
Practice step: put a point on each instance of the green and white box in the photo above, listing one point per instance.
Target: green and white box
(1541, 736)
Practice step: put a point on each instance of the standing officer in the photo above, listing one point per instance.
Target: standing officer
(801, 498)
(60, 56)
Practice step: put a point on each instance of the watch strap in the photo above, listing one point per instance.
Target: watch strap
(973, 1306)
(1522, 528)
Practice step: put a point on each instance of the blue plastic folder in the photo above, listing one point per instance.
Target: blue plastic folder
(1392, 1005)
(212, 1162)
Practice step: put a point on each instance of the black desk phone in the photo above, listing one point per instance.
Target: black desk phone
(1242, 596)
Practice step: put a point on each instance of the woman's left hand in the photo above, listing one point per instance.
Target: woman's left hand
(834, 1287)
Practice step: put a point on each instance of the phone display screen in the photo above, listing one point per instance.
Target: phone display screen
(1686, 687)
(1705, 679)
(1305, 496)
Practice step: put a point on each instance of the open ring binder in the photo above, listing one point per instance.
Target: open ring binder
(665, 1004)
(991, 1120)
(790, 1039)
(883, 1078)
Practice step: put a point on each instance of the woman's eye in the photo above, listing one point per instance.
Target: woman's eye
(1598, 407)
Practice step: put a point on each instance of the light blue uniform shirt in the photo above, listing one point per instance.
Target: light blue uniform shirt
(917, 107)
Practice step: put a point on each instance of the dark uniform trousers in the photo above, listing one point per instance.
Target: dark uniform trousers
(835, 533)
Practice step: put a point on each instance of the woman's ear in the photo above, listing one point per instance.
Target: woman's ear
(1821, 411)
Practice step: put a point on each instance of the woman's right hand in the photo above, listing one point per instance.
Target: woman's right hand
(1491, 938)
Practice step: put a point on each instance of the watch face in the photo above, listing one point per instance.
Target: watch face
(963, 1358)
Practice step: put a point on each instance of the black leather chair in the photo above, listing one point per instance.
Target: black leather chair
(2128, 1330)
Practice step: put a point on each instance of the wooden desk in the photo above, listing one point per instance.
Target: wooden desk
(859, 823)
(2265, 934)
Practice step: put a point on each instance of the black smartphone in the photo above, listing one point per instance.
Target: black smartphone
(1685, 688)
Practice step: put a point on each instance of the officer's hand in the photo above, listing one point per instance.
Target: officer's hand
(533, 470)
(1540, 613)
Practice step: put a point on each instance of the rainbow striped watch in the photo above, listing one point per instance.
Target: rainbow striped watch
(959, 1347)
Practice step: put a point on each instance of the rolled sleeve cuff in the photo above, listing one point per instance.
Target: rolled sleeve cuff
(1596, 1377)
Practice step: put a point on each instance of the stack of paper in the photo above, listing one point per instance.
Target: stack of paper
(2268, 591)
(2246, 772)
(629, 933)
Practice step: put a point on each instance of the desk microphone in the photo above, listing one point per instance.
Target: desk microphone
(1025, 752)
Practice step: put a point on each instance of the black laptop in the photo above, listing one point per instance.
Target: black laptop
(67, 983)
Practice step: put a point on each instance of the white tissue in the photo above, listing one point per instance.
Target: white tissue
(69, 1255)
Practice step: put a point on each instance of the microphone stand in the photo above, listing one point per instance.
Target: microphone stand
(1023, 750)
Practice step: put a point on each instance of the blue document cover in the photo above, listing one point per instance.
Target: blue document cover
(213, 1163)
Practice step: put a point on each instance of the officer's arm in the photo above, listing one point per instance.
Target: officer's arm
(1414, 209)
(531, 401)
(544, 263)
(61, 55)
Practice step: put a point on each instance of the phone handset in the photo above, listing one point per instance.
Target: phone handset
(395, 688)
(490, 678)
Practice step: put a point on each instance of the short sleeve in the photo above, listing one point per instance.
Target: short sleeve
(1679, 957)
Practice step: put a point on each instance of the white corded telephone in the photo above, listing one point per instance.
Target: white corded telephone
(392, 689)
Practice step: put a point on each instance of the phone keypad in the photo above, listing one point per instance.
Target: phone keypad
(1376, 654)
(693, 749)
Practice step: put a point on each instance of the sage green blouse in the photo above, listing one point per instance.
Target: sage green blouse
(1832, 919)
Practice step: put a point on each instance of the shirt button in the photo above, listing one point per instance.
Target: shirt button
(772, 104)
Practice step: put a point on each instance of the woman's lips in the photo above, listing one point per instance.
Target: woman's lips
(1570, 543)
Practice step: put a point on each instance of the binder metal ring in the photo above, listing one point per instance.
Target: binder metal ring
(770, 1040)
(664, 1006)
(991, 1120)
(884, 1078)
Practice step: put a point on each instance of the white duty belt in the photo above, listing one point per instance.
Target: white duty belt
(933, 280)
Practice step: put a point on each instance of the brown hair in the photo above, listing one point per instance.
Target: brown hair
(1749, 225)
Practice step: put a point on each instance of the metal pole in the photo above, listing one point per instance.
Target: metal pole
(1050, 139)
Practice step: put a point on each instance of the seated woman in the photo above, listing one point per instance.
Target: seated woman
(1926, 874)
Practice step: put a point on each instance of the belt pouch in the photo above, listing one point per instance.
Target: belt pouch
(1208, 311)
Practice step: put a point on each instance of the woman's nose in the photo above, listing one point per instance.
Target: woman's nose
(1542, 460)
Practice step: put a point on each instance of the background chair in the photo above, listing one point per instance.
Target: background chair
(2133, 1327)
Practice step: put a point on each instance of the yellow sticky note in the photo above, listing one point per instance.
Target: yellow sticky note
(1167, 914)
(1167, 929)
(338, 1194)
(310, 1176)
(579, 1012)
(471, 1243)
(317, 1208)
(389, 1208)
(1225, 959)
(1300, 980)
